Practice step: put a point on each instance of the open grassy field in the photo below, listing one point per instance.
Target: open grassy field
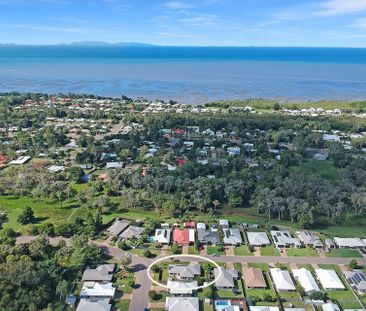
(302, 252)
(322, 169)
(342, 252)
(121, 305)
(242, 250)
(263, 266)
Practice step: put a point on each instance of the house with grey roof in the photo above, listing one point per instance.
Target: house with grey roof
(103, 273)
(232, 236)
(357, 279)
(207, 236)
(118, 227)
(132, 231)
(184, 272)
(94, 304)
(283, 239)
(258, 239)
(227, 278)
(182, 304)
(308, 238)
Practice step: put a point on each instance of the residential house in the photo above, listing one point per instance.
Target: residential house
(263, 308)
(56, 168)
(330, 307)
(233, 151)
(183, 236)
(254, 278)
(224, 223)
(182, 304)
(189, 224)
(308, 238)
(330, 244)
(163, 236)
(185, 272)
(97, 290)
(103, 273)
(94, 304)
(329, 279)
(207, 236)
(232, 236)
(283, 239)
(118, 227)
(114, 165)
(132, 231)
(357, 279)
(282, 280)
(353, 243)
(179, 288)
(258, 239)
(306, 280)
(227, 278)
(331, 138)
(20, 161)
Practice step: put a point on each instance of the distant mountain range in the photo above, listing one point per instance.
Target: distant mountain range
(88, 43)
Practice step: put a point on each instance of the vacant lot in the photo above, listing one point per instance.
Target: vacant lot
(342, 252)
(302, 252)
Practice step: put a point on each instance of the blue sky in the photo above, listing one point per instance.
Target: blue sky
(186, 22)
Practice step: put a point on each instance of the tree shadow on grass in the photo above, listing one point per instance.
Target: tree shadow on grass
(39, 220)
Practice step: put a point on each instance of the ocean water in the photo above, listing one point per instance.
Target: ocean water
(187, 74)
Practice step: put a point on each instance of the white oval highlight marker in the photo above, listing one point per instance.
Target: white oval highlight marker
(184, 256)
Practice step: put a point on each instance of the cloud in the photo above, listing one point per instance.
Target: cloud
(203, 20)
(340, 7)
(178, 5)
(360, 23)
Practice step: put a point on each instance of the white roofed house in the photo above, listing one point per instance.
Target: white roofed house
(258, 239)
(329, 279)
(282, 280)
(114, 165)
(182, 304)
(163, 236)
(20, 161)
(94, 304)
(306, 280)
(232, 236)
(283, 239)
(179, 288)
(97, 290)
(330, 307)
(353, 243)
(263, 308)
(224, 223)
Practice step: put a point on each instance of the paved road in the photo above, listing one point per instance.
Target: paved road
(140, 298)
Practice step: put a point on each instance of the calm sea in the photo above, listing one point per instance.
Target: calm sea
(187, 74)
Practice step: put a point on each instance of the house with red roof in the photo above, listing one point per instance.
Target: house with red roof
(189, 224)
(183, 236)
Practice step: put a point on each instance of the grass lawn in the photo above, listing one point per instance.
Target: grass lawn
(343, 252)
(122, 305)
(290, 296)
(192, 250)
(263, 266)
(269, 251)
(140, 252)
(46, 211)
(302, 252)
(242, 250)
(238, 266)
(215, 250)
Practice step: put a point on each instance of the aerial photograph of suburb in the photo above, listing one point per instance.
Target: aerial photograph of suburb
(182, 155)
